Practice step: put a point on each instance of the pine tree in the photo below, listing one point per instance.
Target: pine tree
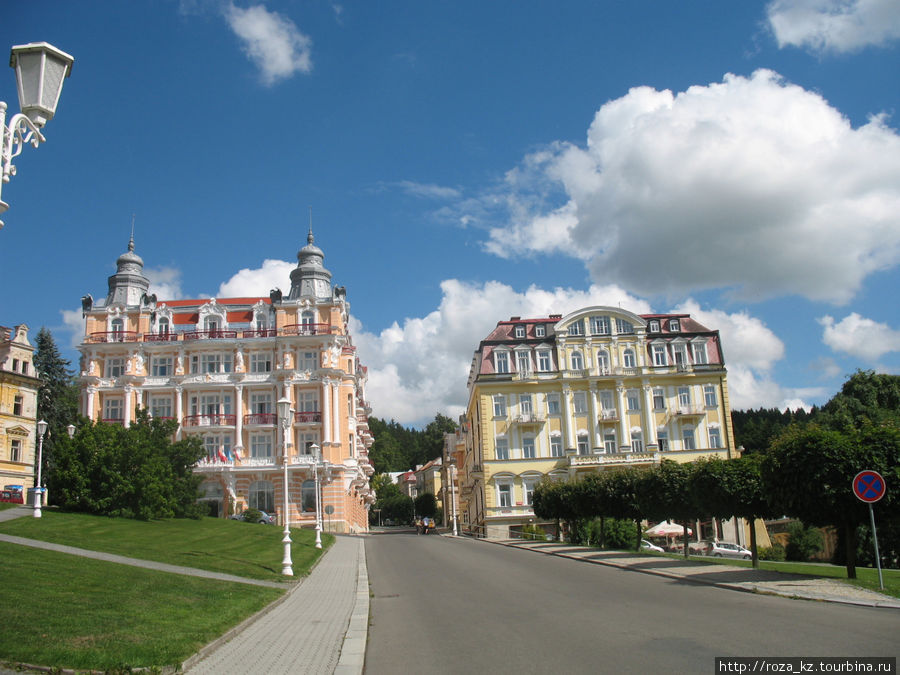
(57, 396)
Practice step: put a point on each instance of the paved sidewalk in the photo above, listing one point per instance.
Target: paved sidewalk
(723, 576)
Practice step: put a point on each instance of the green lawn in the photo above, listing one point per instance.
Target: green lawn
(66, 611)
(229, 546)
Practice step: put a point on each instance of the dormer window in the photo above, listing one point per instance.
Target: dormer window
(520, 332)
(600, 325)
(674, 326)
(624, 327)
(501, 362)
(654, 326)
(576, 328)
(540, 331)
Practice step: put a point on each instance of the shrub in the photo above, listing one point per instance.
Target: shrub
(803, 542)
(774, 552)
(251, 515)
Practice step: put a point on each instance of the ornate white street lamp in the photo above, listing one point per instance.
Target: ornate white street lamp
(284, 414)
(71, 431)
(40, 71)
(317, 458)
(452, 473)
(41, 429)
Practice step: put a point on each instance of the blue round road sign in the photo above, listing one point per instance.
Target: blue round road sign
(869, 486)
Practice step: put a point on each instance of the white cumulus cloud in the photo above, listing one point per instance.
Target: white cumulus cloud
(272, 41)
(860, 337)
(258, 282)
(751, 184)
(834, 25)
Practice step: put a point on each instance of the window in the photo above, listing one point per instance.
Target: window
(308, 401)
(679, 354)
(260, 403)
(606, 400)
(528, 450)
(115, 367)
(582, 445)
(504, 496)
(261, 446)
(553, 404)
(118, 327)
(501, 446)
(308, 320)
(112, 409)
(262, 496)
(261, 362)
(523, 362)
(637, 442)
(309, 360)
(674, 326)
(684, 397)
(306, 440)
(540, 331)
(603, 361)
(662, 439)
(715, 439)
(161, 366)
(501, 362)
(525, 404)
(162, 327)
(499, 405)
(15, 365)
(624, 327)
(609, 442)
(654, 326)
(700, 357)
(709, 396)
(308, 496)
(577, 361)
(600, 325)
(211, 325)
(556, 449)
(528, 489)
(633, 400)
(687, 435)
(15, 450)
(18, 404)
(520, 331)
(218, 447)
(544, 362)
(161, 406)
(576, 328)
(211, 363)
(659, 355)
(580, 401)
(628, 359)
(659, 399)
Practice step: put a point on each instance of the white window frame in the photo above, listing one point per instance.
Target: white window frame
(505, 494)
(114, 409)
(115, 366)
(501, 449)
(637, 441)
(662, 440)
(629, 360)
(710, 397)
(684, 397)
(659, 398)
(600, 325)
(553, 407)
(261, 362)
(633, 400)
(576, 360)
(610, 443)
(161, 366)
(501, 362)
(15, 450)
(660, 355)
(540, 331)
(576, 327)
(688, 438)
(556, 447)
(261, 446)
(529, 447)
(579, 402)
(160, 406)
(701, 358)
(523, 362)
(624, 327)
(520, 332)
(499, 402)
(674, 326)
(715, 437)
(582, 444)
(545, 361)
(525, 404)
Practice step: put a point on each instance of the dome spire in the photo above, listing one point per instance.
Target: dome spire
(310, 278)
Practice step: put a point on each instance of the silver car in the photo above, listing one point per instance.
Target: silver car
(723, 549)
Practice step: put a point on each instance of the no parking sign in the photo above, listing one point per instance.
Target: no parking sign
(869, 487)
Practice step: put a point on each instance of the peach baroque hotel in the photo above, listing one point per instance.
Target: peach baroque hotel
(219, 365)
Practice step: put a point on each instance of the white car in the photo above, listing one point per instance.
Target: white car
(722, 549)
(650, 546)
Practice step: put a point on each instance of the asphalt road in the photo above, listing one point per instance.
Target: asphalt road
(443, 605)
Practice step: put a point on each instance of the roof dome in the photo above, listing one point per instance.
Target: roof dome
(130, 261)
(310, 278)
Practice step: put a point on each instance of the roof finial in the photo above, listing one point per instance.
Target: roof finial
(131, 241)
(309, 237)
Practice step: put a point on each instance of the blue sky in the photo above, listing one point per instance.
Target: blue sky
(466, 162)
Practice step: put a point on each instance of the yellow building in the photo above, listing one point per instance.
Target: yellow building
(19, 386)
(219, 365)
(599, 388)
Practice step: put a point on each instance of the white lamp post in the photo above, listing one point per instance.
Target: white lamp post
(317, 457)
(453, 495)
(41, 429)
(40, 71)
(71, 431)
(284, 414)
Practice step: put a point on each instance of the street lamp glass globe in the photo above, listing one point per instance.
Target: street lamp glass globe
(284, 408)
(41, 428)
(40, 71)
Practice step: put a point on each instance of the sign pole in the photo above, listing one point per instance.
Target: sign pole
(877, 557)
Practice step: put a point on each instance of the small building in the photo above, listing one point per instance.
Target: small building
(19, 385)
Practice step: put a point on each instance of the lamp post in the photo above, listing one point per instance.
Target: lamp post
(70, 429)
(317, 457)
(40, 71)
(452, 473)
(284, 414)
(41, 429)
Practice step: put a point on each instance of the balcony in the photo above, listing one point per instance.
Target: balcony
(209, 334)
(114, 336)
(608, 415)
(113, 420)
(160, 337)
(307, 329)
(527, 418)
(613, 459)
(689, 411)
(307, 417)
(214, 420)
(260, 418)
(260, 333)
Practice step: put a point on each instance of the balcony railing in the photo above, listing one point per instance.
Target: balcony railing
(528, 418)
(160, 337)
(113, 420)
(260, 418)
(214, 420)
(307, 329)
(307, 417)
(614, 459)
(689, 410)
(260, 333)
(609, 415)
(209, 334)
(114, 336)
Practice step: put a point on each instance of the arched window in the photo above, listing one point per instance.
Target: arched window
(637, 441)
(262, 496)
(603, 360)
(163, 326)
(118, 327)
(628, 359)
(577, 361)
(308, 496)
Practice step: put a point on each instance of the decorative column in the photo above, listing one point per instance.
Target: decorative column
(592, 407)
(239, 420)
(90, 395)
(128, 412)
(326, 411)
(335, 412)
(179, 410)
(624, 430)
(568, 421)
(649, 417)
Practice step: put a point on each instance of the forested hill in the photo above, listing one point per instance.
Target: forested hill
(755, 429)
(397, 448)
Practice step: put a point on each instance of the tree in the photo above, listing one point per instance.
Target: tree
(866, 397)
(733, 487)
(809, 473)
(138, 472)
(57, 397)
(426, 505)
(664, 492)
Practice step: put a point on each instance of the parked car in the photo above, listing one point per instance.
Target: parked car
(650, 546)
(254, 516)
(724, 549)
